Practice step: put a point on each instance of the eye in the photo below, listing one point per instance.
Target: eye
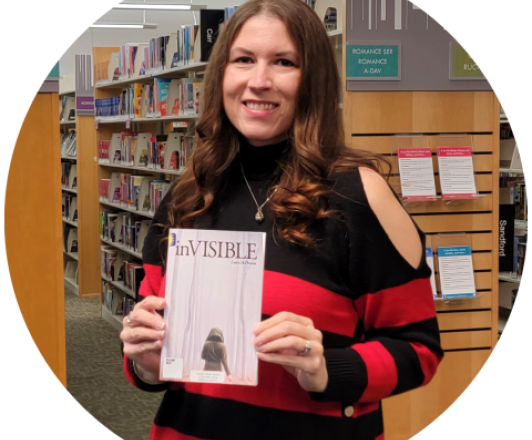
(286, 63)
(244, 60)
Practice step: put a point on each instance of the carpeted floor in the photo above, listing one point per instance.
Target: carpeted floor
(94, 372)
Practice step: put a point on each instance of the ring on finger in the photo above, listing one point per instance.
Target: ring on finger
(307, 348)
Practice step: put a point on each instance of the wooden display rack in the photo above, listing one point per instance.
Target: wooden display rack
(469, 328)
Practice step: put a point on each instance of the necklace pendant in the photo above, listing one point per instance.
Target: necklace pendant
(259, 216)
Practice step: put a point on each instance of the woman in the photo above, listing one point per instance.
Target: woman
(349, 317)
(214, 353)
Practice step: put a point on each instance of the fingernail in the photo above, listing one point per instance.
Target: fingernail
(162, 335)
(162, 325)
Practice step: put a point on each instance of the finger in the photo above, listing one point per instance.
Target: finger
(279, 318)
(287, 328)
(298, 345)
(151, 303)
(309, 365)
(137, 335)
(146, 318)
(132, 350)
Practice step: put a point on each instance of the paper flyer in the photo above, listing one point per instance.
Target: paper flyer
(457, 278)
(456, 172)
(417, 173)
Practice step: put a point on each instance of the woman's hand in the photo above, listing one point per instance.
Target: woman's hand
(143, 334)
(282, 339)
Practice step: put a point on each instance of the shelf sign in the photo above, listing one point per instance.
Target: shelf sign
(462, 66)
(84, 103)
(373, 62)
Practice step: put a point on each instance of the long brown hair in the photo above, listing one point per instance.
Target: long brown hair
(316, 137)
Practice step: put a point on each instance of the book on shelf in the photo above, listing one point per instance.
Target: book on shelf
(512, 190)
(67, 108)
(68, 175)
(70, 207)
(208, 275)
(160, 94)
(69, 143)
(210, 21)
(70, 238)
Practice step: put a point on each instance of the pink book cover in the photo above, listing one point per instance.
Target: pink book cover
(213, 294)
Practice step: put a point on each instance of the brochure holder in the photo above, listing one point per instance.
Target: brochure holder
(456, 170)
(444, 241)
(141, 150)
(416, 169)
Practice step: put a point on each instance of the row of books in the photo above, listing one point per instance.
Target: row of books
(69, 144)
(506, 131)
(161, 152)
(519, 251)
(70, 207)
(139, 193)
(124, 228)
(188, 45)
(69, 175)
(119, 266)
(512, 191)
(115, 301)
(67, 109)
(165, 97)
(70, 238)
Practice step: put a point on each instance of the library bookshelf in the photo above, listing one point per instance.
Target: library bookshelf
(81, 264)
(105, 128)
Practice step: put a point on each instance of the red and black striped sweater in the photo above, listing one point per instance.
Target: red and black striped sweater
(375, 311)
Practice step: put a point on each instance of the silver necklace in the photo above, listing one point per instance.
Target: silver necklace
(259, 216)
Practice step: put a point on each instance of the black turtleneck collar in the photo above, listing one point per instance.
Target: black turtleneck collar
(260, 163)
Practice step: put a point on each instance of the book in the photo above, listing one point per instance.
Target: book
(210, 20)
(211, 311)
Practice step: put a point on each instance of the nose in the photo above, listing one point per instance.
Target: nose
(261, 77)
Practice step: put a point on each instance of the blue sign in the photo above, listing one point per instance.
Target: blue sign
(373, 62)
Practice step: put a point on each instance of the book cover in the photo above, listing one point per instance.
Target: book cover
(210, 20)
(213, 301)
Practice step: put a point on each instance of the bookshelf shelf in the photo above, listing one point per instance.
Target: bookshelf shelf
(63, 123)
(69, 158)
(73, 255)
(521, 224)
(174, 72)
(67, 93)
(122, 248)
(71, 286)
(122, 120)
(73, 191)
(120, 285)
(122, 208)
(507, 276)
(335, 33)
(114, 320)
(70, 222)
(149, 170)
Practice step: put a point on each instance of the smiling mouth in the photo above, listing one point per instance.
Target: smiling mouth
(260, 106)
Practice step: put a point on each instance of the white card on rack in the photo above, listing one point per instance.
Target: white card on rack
(417, 172)
(456, 172)
(457, 277)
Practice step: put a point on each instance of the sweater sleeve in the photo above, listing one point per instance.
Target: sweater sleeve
(153, 258)
(399, 347)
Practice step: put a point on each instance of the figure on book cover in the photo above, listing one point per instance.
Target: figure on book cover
(347, 316)
(214, 353)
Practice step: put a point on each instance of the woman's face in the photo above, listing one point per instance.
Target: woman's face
(261, 81)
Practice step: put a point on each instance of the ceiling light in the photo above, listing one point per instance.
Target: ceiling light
(160, 5)
(125, 25)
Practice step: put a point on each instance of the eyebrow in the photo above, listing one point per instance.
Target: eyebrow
(278, 54)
